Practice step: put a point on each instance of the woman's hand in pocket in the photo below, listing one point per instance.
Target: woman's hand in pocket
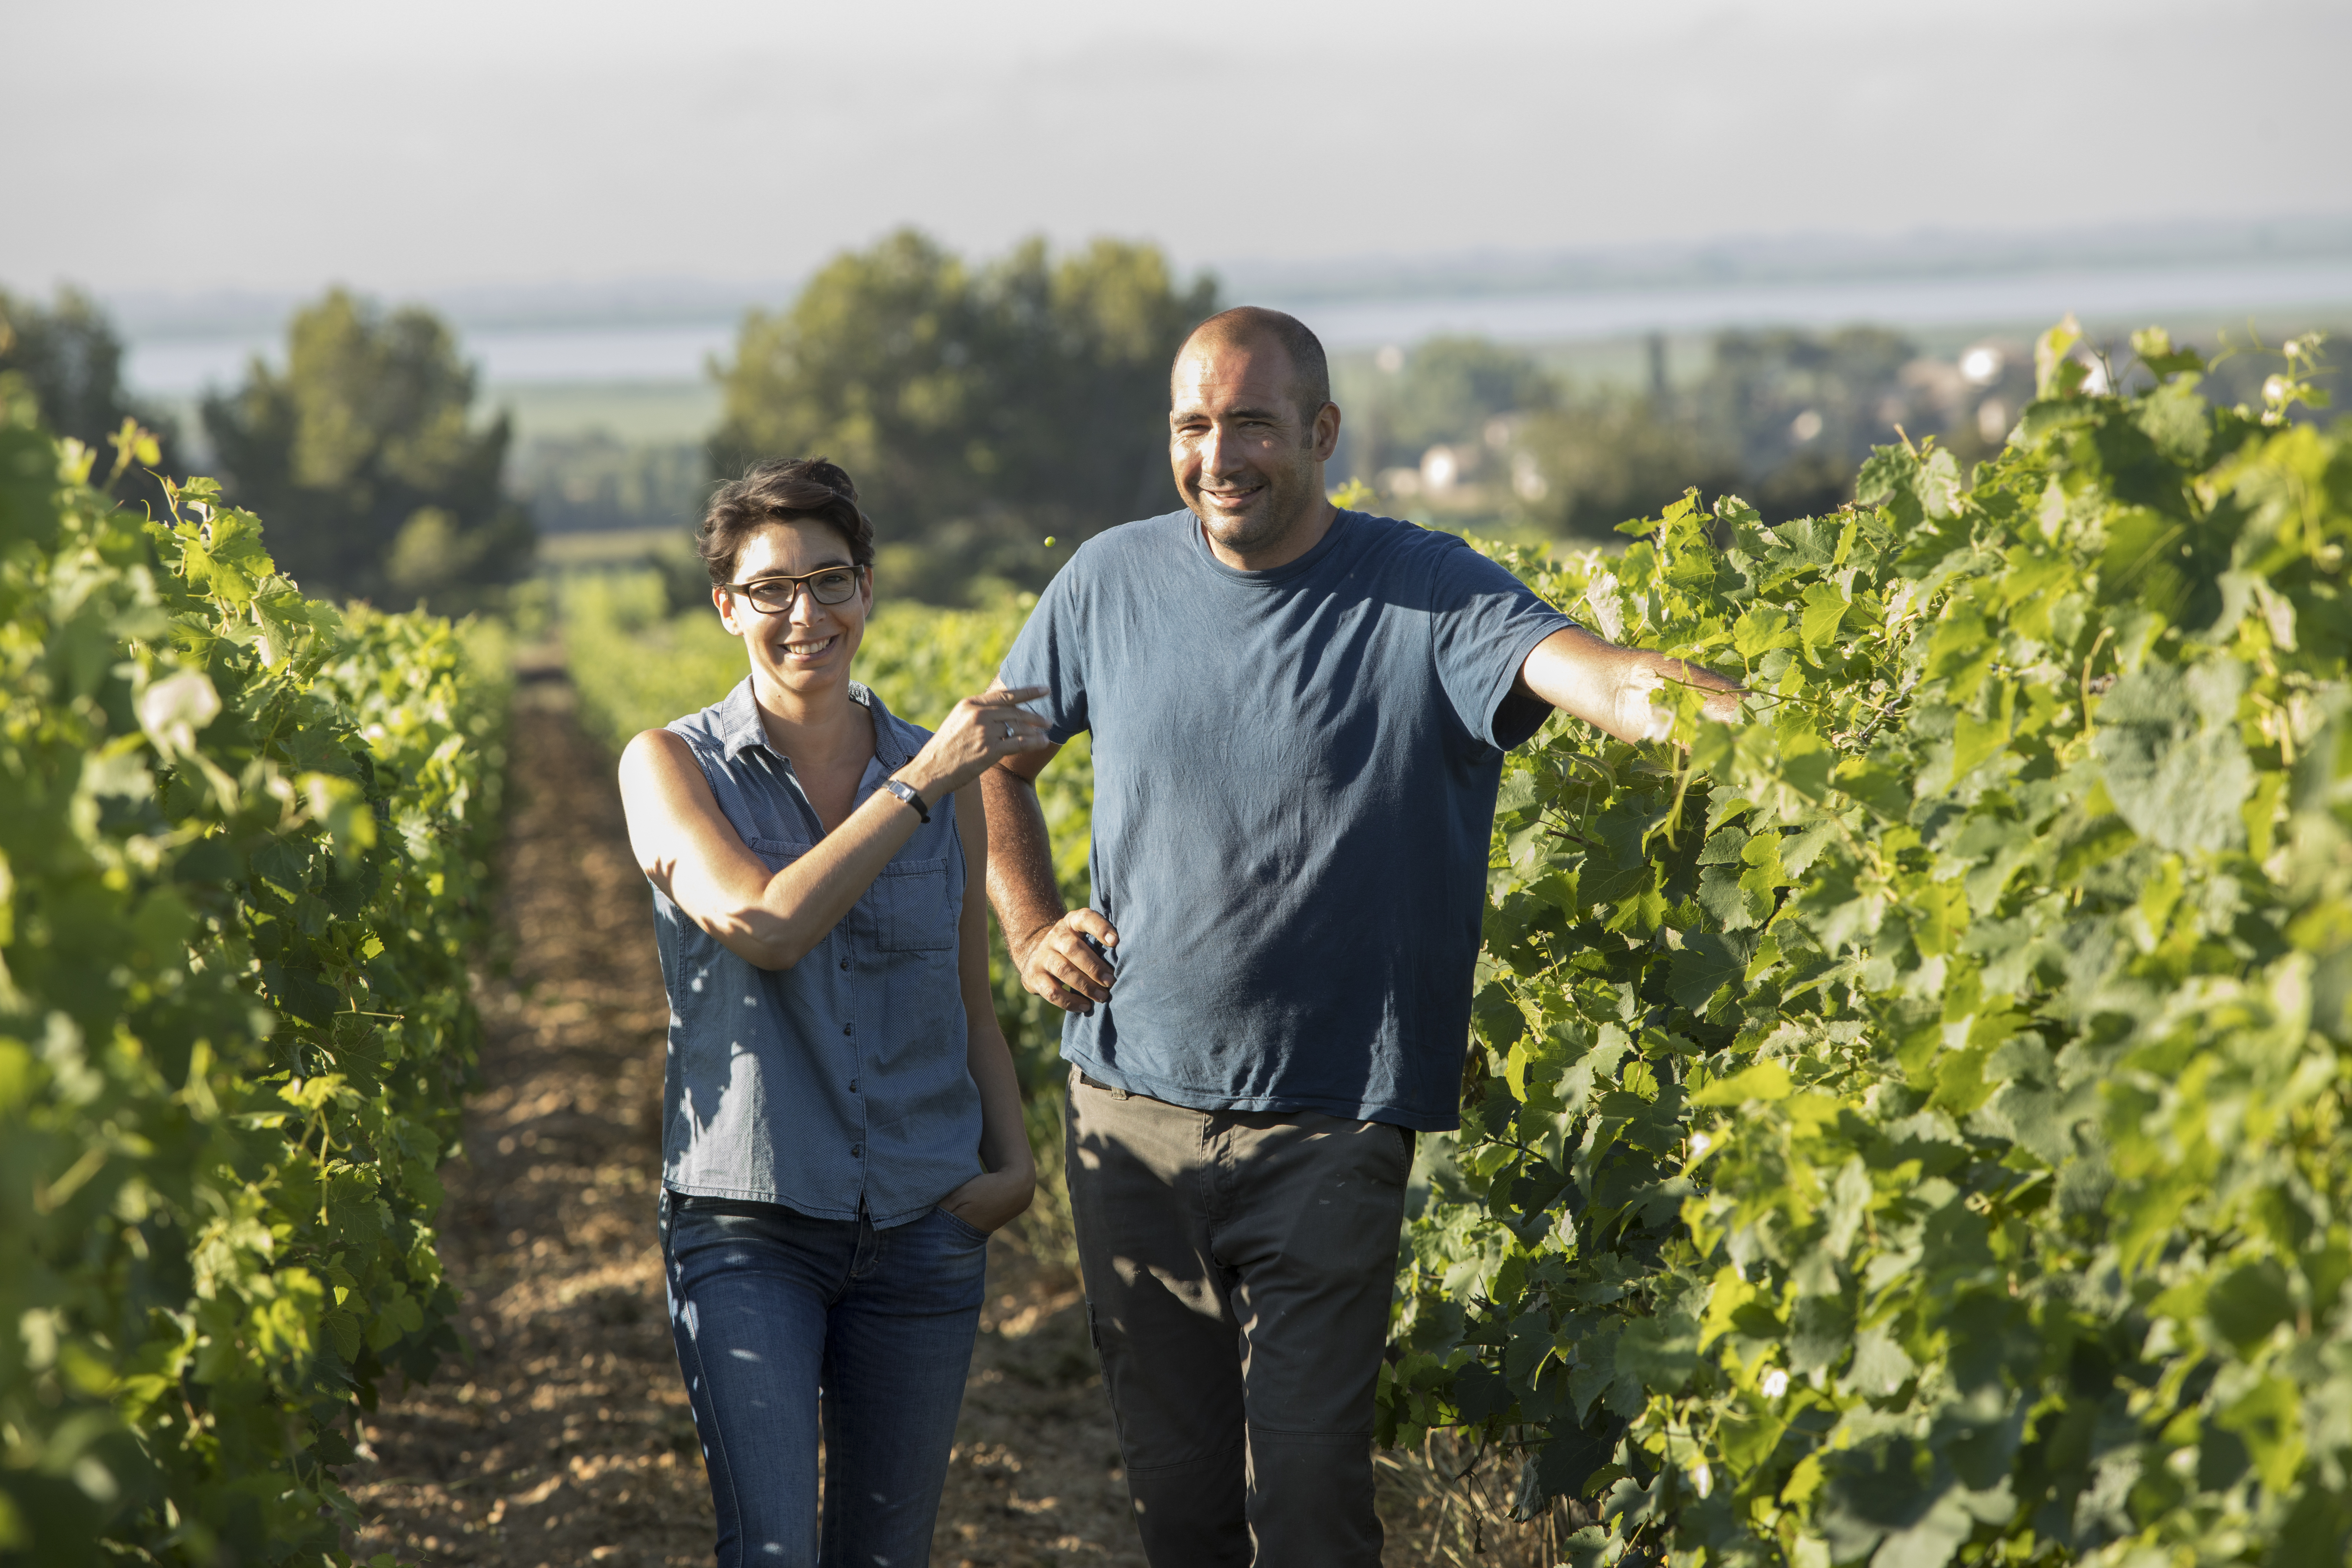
(975, 735)
(990, 1202)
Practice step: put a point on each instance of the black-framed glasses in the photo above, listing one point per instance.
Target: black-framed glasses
(774, 596)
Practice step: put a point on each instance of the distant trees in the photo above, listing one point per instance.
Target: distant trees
(1447, 392)
(363, 457)
(1595, 460)
(979, 408)
(592, 479)
(70, 356)
(1797, 413)
(1783, 418)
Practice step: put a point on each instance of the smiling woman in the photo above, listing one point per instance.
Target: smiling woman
(841, 1120)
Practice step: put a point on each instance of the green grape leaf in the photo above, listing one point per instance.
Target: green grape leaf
(1764, 1080)
(1825, 610)
(2171, 758)
(1659, 1351)
(1708, 961)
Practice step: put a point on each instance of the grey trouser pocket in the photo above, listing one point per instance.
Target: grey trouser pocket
(1238, 1267)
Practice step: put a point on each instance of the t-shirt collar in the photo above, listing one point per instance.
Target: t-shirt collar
(1277, 576)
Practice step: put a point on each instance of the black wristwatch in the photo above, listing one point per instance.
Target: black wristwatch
(906, 792)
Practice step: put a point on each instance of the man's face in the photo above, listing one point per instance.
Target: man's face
(1248, 463)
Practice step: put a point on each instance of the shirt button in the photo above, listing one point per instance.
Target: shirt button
(844, 964)
(849, 1029)
(853, 1086)
(857, 1151)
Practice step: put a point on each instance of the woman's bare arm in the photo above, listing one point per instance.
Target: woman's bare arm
(689, 850)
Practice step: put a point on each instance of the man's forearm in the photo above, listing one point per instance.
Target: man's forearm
(1615, 687)
(1642, 677)
(1021, 885)
(1722, 703)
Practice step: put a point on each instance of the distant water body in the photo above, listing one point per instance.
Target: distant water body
(1992, 300)
(183, 366)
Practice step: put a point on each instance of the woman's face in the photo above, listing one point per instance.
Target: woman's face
(807, 648)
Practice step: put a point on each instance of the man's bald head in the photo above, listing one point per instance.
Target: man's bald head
(1252, 325)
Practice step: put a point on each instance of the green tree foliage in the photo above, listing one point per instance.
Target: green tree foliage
(242, 844)
(364, 456)
(1912, 1127)
(71, 361)
(979, 410)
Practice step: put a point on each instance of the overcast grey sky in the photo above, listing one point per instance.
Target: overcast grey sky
(268, 146)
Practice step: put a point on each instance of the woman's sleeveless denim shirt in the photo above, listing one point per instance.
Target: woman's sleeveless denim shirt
(839, 1085)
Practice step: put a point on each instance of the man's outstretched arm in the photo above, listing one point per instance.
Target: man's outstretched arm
(1611, 688)
(1048, 942)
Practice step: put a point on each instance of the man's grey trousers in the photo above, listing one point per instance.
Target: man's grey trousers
(1238, 1268)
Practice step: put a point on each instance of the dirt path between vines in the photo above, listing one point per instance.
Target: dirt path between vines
(567, 1440)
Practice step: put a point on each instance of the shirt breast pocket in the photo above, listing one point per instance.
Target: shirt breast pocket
(775, 854)
(916, 914)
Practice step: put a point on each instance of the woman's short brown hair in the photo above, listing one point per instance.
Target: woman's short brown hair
(782, 490)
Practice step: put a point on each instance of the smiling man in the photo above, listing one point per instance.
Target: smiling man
(1299, 716)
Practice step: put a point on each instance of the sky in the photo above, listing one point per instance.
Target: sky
(253, 144)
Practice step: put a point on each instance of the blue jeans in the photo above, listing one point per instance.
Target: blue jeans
(782, 1321)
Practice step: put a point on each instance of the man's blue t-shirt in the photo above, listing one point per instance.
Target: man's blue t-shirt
(1294, 776)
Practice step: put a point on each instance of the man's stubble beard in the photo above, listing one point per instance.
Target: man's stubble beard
(1285, 510)
(1248, 535)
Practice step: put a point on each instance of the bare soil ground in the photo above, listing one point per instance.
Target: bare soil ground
(567, 1440)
